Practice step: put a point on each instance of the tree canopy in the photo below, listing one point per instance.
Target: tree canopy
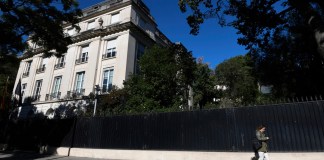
(40, 21)
(284, 38)
(168, 80)
(8, 72)
(236, 74)
(204, 84)
(256, 20)
(162, 82)
(264, 13)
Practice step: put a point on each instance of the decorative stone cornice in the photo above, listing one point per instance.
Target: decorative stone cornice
(100, 32)
(103, 31)
(110, 8)
(32, 52)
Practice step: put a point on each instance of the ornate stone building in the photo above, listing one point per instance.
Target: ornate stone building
(113, 35)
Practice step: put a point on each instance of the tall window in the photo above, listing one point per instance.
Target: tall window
(84, 54)
(111, 49)
(44, 62)
(27, 69)
(60, 62)
(140, 48)
(114, 18)
(107, 79)
(79, 82)
(23, 89)
(91, 25)
(56, 87)
(38, 87)
(42, 67)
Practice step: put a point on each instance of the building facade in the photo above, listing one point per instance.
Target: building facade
(113, 35)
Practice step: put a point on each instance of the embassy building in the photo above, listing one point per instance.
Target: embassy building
(105, 51)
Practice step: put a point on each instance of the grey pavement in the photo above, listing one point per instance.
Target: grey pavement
(25, 155)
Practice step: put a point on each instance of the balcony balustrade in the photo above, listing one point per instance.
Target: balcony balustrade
(81, 60)
(59, 65)
(26, 74)
(40, 70)
(35, 98)
(75, 93)
(109, 55)
(53, 96)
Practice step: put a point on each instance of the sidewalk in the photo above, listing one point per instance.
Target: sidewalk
(113, 154)
(25, 155)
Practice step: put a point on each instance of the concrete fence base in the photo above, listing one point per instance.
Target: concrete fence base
(177, 155)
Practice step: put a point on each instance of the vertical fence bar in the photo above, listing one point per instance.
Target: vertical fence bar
(73, 133)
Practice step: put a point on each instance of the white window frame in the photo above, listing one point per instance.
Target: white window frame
(84, 54)
(28, 66)
(79, 80)
(44, 63)
(56, 86)
(61, 61)
(111, 48)
(38, 87)
(107, 80)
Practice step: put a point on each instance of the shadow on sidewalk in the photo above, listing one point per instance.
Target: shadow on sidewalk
(27, 155)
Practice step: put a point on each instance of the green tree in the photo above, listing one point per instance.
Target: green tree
(113, 103)
(41, 21)
(186, 65)
(237, 75)
(284, 39)
(164, 74)
(204, 85)
(290, 61)
(259, 15)
(9, 67)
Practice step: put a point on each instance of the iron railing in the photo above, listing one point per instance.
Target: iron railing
(81, 60)
(59, 65)
(108, 55)
(75, 93)
(53, 96)
(36, 98)
(40, 70)
(26, 74)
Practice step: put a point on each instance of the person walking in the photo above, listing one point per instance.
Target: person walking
(260, 135)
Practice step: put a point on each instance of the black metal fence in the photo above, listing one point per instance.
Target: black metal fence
(32, 134)
(291, 127)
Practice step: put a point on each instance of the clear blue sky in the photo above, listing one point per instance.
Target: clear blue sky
(214, 43)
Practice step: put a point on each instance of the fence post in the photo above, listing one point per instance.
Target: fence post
(73, 133)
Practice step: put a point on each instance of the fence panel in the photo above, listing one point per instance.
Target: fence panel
(291, 127)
